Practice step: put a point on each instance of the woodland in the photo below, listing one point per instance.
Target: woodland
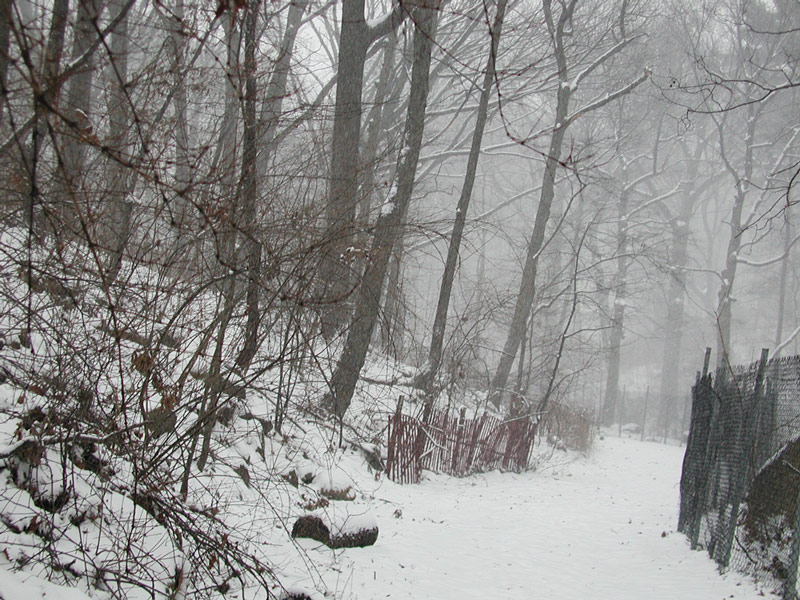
(240, 211)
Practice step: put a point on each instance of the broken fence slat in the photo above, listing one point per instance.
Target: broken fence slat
(455, 445)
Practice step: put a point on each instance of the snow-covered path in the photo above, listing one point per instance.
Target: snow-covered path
(598, 528)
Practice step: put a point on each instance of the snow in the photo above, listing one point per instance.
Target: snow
(604, 523)
(388, 208)
(346, 517)
(16, 586)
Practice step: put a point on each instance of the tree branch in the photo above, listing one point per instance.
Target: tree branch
(386, 24)
(600, 102)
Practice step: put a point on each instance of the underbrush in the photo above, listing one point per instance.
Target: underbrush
(140, 457)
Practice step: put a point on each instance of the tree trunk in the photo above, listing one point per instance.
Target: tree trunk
(354, 40)
(42, 105)
(728, 275)
(181, 212)
(254, 164)
(345, 165)
(78, 114)
(249, 193)
(673, 325)
(724, 300)
(787, 237)
(391, 331)
(524, 303)
(120, 206)
(617, 332)
(569, 317)
(343, 381)
(276, 91)
(6, 12)
(427, 376)
(376, 124)
(558, 30)
(228, 148)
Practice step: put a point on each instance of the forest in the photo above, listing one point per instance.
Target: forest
(224, 220)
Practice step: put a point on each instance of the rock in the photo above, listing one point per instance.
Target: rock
(354, 534)
(334, 483)
(771, 501)
(339, 494)
(357, 539)
(311, 527)
(295, 593)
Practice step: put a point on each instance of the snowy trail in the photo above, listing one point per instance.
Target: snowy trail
(599, 528)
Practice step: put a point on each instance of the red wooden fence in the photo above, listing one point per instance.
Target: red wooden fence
(447, 443)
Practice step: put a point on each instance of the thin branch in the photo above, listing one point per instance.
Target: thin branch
(600, 102)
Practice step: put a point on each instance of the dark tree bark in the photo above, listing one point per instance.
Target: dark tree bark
(181, 212)
(355, 39)
(254, 166)
(6, 10)
(120, 206)
(387, 227)
(46, 102)
(377, 123)
(392, 323)
(524, 303)
(427, 376)
(227, 155)
(617, 330)
(247, 193)
(54, 50)
(728, 275)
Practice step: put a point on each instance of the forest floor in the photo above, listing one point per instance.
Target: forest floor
(601, 527)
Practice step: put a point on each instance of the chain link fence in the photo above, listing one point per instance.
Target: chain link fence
(741, 471)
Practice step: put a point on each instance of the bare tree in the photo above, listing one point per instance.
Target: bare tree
(559, 28)
(355, 39)
(386, 230)
(428, 372)
(120, 207)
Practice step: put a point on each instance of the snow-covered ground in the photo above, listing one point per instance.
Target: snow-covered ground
(601, 527)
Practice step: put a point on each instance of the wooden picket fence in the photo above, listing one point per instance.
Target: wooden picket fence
(448, 443)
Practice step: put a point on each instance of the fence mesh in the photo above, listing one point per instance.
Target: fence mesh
(741, 471)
